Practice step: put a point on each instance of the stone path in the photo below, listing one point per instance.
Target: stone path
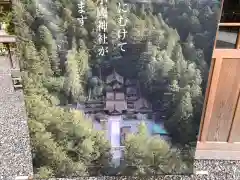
(15, 156)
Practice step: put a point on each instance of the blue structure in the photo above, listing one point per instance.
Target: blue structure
(153, 128)
(132, 124)
(117, 128)
(158, 129)
(119, 111)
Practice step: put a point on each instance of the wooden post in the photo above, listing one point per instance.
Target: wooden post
(238, 40)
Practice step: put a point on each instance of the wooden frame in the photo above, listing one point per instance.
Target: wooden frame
(209, 81)
(229, 150)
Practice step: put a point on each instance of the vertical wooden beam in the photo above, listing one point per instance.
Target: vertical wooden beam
(221, 11)
(237, 46)
(234, 131)
(206, 98)
(211, 98)
(209, 79)
(219, 22)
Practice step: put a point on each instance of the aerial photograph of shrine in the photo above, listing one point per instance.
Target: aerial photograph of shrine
(114, 88)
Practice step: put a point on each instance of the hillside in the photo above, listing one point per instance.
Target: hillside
(62, 64)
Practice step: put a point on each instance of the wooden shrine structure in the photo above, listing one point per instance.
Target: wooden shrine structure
(219, 135)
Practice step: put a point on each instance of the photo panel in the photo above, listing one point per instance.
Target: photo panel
(114, 87)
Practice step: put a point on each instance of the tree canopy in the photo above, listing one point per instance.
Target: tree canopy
(167, 50)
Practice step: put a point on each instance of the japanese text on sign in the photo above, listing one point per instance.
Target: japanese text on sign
(122, 22)
(102, 15)
(81, 11)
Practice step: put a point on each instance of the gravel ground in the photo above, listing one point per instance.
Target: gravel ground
(15, 156)
(217, 170)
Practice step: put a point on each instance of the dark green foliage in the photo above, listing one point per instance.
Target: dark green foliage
(6, 16)
(194, 17)
(59, 57)
(146, 155)
(63, 142)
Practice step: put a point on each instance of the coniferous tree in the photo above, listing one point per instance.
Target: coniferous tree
(61, 65)
(146, 155)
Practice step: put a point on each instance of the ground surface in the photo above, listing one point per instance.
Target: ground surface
(15, 157)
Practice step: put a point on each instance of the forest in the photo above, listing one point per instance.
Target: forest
(169, 47)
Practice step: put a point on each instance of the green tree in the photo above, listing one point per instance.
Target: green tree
(47, 40)
(63, 142)
(147, 155)
(61, 64)
(72, 85)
